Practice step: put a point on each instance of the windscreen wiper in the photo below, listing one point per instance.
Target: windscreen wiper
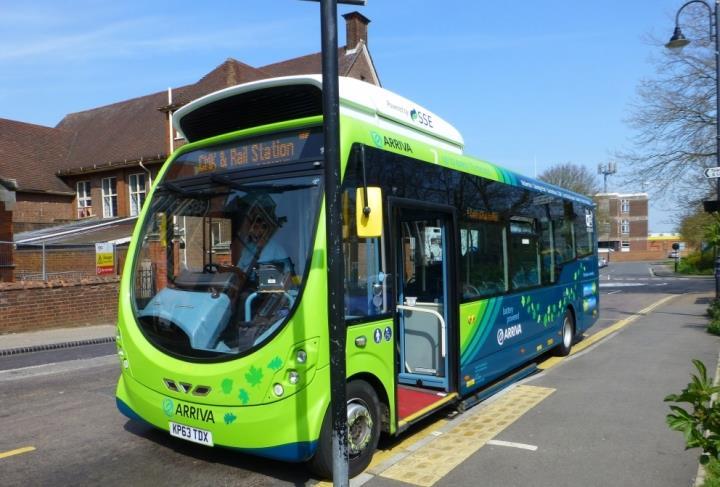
(269, 188)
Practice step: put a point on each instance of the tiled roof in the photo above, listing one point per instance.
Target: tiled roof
(310, 64)
(31, 154)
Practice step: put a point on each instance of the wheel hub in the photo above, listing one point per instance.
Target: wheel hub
(360, 426)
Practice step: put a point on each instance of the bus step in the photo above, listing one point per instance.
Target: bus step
(483, 394)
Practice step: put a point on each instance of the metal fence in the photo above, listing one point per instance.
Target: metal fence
(46, 262)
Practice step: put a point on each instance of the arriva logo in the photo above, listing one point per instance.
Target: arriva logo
(168, 407)
(383, 142)
(377, 139)
(507, 333)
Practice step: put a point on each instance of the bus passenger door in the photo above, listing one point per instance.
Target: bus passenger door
(424, 313)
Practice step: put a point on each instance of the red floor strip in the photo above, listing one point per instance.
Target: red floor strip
(411, 401)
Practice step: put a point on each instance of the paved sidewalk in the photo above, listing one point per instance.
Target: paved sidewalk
(55, 338)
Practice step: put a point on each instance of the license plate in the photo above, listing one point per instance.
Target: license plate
(189, 433)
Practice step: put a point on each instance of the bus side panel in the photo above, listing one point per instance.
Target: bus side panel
(370, 350)
(499, 334)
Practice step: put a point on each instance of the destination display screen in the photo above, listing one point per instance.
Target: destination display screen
(258, 151)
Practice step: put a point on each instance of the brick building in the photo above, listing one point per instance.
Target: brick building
(622, 220)
(7, 204)
(97, 164)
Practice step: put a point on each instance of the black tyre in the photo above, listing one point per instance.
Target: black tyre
(363, 432)
(567, 335)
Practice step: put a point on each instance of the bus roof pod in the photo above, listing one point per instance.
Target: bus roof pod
(239, 107)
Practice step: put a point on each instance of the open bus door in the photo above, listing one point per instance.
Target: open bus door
(426, 309)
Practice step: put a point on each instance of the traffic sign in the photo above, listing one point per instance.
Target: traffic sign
(712, 172)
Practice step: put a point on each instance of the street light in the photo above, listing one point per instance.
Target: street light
(678, 40)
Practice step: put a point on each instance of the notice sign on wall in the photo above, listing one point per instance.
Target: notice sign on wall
(104, 259)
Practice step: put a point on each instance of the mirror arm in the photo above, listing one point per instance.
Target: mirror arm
(366, 208)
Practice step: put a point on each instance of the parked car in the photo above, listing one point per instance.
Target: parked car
(602, 262)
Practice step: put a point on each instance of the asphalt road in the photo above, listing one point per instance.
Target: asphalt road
(603, 425)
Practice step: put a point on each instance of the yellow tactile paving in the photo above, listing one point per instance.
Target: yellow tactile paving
(432, 462)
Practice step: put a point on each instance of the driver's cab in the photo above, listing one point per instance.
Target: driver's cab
(233, 283)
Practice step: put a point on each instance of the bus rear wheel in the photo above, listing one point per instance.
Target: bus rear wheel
(363, 416)
(567, 335)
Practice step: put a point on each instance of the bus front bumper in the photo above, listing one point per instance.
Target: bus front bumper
(285, 430)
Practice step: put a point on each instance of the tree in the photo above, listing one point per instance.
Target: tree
(674, 116)
(573, 177)
(695, 225)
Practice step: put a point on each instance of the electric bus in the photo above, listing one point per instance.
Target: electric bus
(456, 273)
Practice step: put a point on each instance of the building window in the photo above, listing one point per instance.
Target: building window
(109, 197)
(625, 227)
(137, 193)
(84, 200)
(625, 206)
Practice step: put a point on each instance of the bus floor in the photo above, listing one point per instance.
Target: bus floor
(412, 400)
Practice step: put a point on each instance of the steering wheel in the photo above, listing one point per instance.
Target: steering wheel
(230, 268)
(211, 268)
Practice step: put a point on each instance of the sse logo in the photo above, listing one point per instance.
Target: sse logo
(421, 118)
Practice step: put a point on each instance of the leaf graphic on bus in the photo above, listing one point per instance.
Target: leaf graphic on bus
(243, 396)
(254, 376)
(275, 364)
(229, 418)
(226, 386)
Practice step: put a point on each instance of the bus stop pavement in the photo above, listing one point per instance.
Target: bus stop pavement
(55, 338)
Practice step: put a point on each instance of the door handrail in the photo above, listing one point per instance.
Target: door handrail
(443, 326)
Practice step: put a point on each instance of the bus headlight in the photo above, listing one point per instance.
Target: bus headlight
(301, 356)
(279, 390)
(293, 377)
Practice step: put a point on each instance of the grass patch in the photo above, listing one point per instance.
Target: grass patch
(712, 474)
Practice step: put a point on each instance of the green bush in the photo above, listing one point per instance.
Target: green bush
(713, 310)
(704, 416)
(714, 327)
(697, 263)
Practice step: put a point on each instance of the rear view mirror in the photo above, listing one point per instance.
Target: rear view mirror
(368, 214)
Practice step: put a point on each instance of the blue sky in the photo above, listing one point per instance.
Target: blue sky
(529, 84)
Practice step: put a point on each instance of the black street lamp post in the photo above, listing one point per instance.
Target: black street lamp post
(333, 225)
(678, 40)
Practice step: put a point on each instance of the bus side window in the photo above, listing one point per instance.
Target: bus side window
(584, 230)
(482, 259)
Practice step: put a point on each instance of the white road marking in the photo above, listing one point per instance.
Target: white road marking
(615, 292)
(621, 284)
(57, 368)
(512, 444)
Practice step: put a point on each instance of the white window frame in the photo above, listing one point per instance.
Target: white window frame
(625, 227)
(624, 206)
(137, 192)
(109, 195)
(84, 199)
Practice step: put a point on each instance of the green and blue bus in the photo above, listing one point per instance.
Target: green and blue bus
(462, 273)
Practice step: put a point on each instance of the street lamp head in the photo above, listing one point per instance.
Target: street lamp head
(678, 40)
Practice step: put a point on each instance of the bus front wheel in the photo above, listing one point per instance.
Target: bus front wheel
(567, 335)
(363, 417)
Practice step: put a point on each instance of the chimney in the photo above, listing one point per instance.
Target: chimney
(356, 28)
